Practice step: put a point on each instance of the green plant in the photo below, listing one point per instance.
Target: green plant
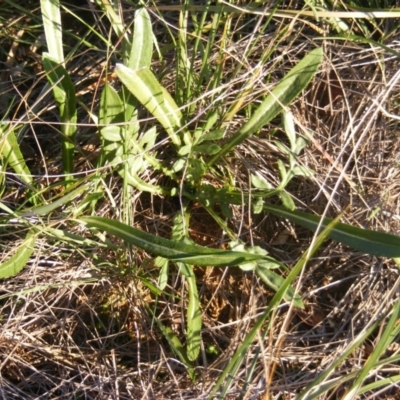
(196, 131)
(197, 154)
(200, 152)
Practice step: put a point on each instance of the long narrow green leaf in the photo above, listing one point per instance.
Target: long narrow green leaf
(17, 261)
(283, 94)
(175, 345)
(389, 334)
(11, 154)
(48, 208)
(142, 44)
(364, 240)
(52, 29)
(386, 382)
(316, 387)
(64, 95)
(325, 385)
(177, 251)
(194, 320)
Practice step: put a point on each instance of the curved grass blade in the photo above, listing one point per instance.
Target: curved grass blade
(283, 94)
(229, 372)
(175, 345)
(177, 251)
(46, 209)
(317, 387)
(17, 262)
(10, 153)
(389, 334)
(386, 382)
(364, 240)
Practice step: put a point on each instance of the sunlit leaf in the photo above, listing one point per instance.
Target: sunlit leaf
(259, 182)
(142, 43)
(18, 260)
(52, 28)
(290, 130)
(287, 200)
(163, 264)
(146, 88)
(11, 155)
(194, 321)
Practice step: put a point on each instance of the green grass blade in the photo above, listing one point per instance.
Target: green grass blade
(177, 251)
(142, 43)
(236, 360)
(391, 381)
(193, 81)
(64, 95)
(283, 94)
(389, 335)
(52, 29)
(17, 262)
(194, 320)
(364, 240)
(175, 345)
(316, 388)
(48, 208)
(146, 88)
(10, 154)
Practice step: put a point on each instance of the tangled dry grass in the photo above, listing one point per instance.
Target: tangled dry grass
(78, 322)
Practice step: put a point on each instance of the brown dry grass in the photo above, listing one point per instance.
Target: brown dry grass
(76, 323)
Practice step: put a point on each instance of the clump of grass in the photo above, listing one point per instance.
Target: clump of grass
(146, 261)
